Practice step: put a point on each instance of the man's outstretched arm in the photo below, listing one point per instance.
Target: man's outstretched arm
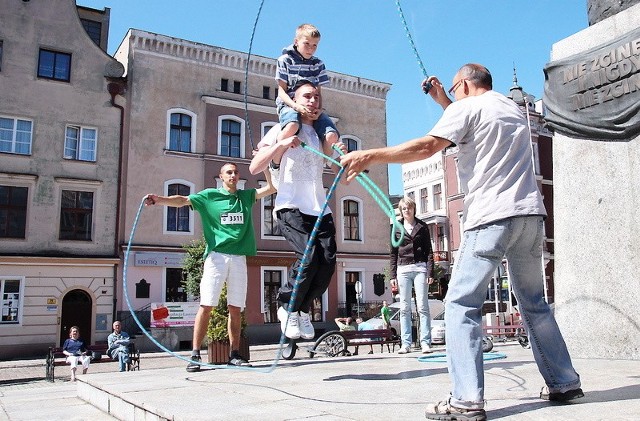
(412, 150)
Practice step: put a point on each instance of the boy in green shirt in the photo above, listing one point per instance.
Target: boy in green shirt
(229, 235)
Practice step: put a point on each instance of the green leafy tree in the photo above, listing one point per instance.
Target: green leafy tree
(192, 267)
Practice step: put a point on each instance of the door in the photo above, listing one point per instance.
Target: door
(351, 296)
(76, 311)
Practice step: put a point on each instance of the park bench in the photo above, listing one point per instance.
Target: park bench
(55, 357)
(336, 342)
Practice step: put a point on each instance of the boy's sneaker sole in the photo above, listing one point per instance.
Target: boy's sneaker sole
(567, 396)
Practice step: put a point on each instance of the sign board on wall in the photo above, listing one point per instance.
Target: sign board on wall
(173, 314)
(159, 259)
(596, 94)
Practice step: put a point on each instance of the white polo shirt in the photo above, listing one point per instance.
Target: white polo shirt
(495, 159)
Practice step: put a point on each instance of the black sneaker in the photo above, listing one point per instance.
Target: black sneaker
(567, 396)
(194, 365)
(239, 362)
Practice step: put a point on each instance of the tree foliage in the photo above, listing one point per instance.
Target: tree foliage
(192, 266)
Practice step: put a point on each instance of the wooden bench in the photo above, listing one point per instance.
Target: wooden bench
(336, 342)
(55, 358)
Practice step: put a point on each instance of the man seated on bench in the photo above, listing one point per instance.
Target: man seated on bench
(347, 323)
(118, 346)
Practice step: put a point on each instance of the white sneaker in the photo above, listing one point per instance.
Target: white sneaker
(306, 328)
(289, 323)
(405, 349)
(426, 349)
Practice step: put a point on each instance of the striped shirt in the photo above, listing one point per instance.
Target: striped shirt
(292, 68)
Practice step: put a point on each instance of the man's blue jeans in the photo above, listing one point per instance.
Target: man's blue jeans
(123, 357)
(406, 282)
(519, 239)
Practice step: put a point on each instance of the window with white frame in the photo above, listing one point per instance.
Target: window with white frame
(424, 200)
(351, 210)
(54, 65)
(80, 143)
(231, 137)
(440, 237)
(266, 127)
(269, 222)
(272, 279)
(412, 195)
(437, 196)
(13, 211)
(351, 143)
(76, 215)
(178, 219)
(11, 300)
(181, 130)
(15, 135)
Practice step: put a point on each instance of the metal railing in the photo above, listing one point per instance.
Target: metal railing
(129, 325)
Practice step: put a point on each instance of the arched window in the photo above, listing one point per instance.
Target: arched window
(352, 219)
(352, 143)
(180, 130)
(231, 137)
(178, 220)
(266, 126)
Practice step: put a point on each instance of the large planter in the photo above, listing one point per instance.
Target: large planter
(218, 351)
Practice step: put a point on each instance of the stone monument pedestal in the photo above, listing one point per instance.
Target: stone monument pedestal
(597, 214)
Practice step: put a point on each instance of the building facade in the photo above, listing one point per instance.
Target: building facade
(187, 115)
(424, 182)
(59, 175)
(85, 136)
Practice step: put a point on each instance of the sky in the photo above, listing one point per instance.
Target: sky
(367, 38)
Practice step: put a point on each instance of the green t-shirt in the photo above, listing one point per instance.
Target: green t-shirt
(384, 311)
(226, 220)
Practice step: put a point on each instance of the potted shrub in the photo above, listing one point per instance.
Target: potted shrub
(218, 345)
(217, 338)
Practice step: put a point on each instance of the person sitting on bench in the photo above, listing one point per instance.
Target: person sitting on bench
(76, 352)
(118, 346)
(347, 323)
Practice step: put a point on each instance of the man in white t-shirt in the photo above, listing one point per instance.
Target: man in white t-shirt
(503, 217)
(297, 174)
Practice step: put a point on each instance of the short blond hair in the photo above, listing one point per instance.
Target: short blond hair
(408, 202)
(307, 30)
